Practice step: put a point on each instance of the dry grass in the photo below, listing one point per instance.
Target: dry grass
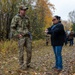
(42, 59)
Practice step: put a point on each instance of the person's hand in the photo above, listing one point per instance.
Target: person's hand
(46, 31)
(20, 36)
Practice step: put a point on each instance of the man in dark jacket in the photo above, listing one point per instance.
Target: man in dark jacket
(57, 40)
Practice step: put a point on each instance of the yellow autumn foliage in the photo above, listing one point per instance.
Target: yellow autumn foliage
(8, 46)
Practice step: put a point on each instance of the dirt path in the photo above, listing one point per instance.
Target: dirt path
(42, 62)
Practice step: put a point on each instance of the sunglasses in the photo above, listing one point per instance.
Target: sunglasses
(53, 19)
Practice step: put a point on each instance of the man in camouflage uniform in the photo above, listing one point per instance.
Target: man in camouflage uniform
(20, 28)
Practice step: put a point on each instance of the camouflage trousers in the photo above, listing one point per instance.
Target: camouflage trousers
(25, 42)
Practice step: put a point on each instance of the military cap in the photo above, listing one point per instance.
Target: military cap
(23, 7)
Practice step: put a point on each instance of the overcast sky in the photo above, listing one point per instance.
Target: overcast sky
(63, 7)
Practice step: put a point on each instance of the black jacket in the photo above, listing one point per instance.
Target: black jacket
(57, 34)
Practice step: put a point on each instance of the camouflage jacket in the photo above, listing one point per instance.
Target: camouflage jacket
(20, 25)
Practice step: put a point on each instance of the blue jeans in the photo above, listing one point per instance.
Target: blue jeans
(58, 57)
(71, 42)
